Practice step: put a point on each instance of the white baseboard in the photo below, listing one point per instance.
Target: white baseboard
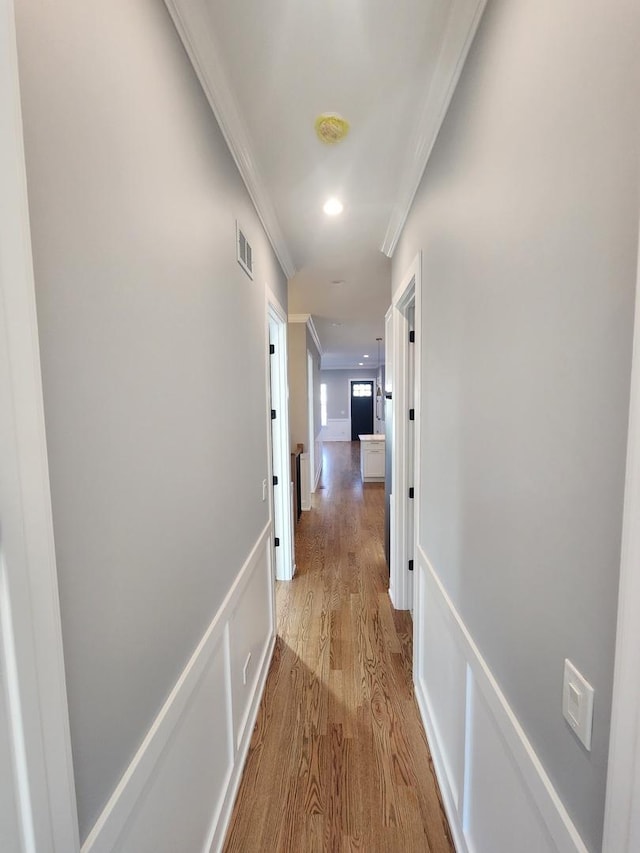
(474, 735)
(178, 791)
(337, 429)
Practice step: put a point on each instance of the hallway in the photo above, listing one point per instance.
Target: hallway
(338, 758)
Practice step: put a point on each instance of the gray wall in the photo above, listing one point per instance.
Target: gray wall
(297, 374)
(338, 389)
(153, 358)
(528, 222)
(317, 422)
(299, 342)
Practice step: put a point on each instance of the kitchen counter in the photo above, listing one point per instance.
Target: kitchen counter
(372, 458)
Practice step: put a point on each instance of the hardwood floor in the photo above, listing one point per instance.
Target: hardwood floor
(338, 759)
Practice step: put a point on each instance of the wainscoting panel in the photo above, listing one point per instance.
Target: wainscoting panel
(178, 792)
(251, 627)
(495, 790)
(493, 782)
(442, 677)
(337, 429)
(175, 811)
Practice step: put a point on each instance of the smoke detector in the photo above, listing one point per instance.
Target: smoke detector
(331, 128)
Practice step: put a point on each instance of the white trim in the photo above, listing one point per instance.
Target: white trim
(407, 293)
(536, 785)
(464, 18)
(307, 319)
(33, 641)
(622, 811)
(197, 36)
(285, 560)
(128, 801)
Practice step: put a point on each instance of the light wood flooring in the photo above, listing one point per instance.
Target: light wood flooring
(338, 758)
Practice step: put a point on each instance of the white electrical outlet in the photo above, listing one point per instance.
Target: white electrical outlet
(577, 703)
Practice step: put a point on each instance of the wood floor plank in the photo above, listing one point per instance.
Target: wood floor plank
(338, 759)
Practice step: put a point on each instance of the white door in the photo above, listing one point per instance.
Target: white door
(276, 452)
(281, 488)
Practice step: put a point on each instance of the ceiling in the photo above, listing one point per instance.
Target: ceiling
(389, 67)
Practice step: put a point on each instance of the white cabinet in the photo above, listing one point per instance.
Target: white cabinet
(372, 458)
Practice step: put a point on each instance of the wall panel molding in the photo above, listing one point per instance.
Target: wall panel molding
(463, 709)
(180, 786)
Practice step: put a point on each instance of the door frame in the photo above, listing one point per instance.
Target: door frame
(361, 379)
(31, 642)
(408, 294)
(622, 809)
(285, 562)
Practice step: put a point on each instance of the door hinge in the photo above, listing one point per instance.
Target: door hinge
(273, 414)
(412, 414)
(272, 349)
(412, 337)
(276, 542)
(410, 565)
(275, 480)
(411, 492)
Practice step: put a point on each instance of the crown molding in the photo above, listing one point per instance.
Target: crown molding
(190, 20)
(462, 25)
(307, 319)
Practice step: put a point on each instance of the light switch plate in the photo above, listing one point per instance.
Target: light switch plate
(577, 703)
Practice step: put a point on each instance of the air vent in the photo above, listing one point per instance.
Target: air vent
(245, 253)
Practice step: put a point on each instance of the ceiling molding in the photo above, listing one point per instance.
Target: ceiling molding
(307, 319)
(463, 22)
(372, 370)
(314, 334)
(195, 32)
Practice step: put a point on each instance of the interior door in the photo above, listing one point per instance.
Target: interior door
(276, 451)
(361, 408)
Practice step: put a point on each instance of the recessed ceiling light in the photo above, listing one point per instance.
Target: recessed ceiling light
(332, 207)
(361, 364)
(331, 128)
(365, 355)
